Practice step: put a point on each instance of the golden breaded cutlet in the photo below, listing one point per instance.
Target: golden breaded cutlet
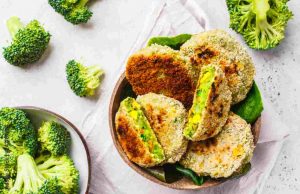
(211, 105)
(218, 46)
(136, 136)
(162, 70)
(167, 118)
(224, 154)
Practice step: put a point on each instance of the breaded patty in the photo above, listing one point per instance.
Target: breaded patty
(167, 118)
(136, 135)
(223, 154)
(211, 105)
(162, 70)
(219, 46)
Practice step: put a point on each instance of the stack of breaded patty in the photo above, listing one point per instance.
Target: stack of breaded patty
(185, 96)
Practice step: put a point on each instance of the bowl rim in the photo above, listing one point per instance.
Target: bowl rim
(76, 130)
(256, 126)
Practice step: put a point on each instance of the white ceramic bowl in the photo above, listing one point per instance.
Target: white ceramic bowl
(79, 150)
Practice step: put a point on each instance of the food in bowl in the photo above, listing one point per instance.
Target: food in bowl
(147, 71)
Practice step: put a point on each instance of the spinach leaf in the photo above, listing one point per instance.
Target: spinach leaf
(198, 180)
(250, 108)
(174, 42)
(167, 173)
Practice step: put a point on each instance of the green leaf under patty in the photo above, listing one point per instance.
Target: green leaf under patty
(242, 171)
(166, 173)
(174, 42)
(250, 108)
(198, 180)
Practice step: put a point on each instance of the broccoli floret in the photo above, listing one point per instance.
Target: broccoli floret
(74, 11)
(51, 186)
(61, 167)
(17, 135)
(28, 42)
(54, 138)
(8, 166)
(83, 80)
(261, 22)
(63, 6)
(30, 180)
(5, 185)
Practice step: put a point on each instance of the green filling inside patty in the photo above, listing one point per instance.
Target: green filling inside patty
(204, 85)
(143, 128)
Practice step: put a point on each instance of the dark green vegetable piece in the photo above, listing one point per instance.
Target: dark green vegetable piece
(28, 42)
(54, 138)
(128, 92)
(198, 180)
(174, 42)
(250, 108)
(242, 171)
(2, 183)
(83, 80)
(261, 22)
(17, 135)
(74, 11)
(166, 173)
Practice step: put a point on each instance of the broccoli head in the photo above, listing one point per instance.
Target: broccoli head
(261, 22)
(83, 80)
(17, 135)
(28, 42)
(54, 138)
(74, 11)
(62, 168)
(30, 180)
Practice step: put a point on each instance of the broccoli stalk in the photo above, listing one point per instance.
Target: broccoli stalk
(30, 180)
(261, 22)
(14, 24)
(83, 80)
(28, 42)
(28, 175)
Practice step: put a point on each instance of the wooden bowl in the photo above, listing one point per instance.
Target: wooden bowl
(184, 184)
(79, 150)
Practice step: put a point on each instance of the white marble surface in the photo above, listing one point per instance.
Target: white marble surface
(44, 84)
